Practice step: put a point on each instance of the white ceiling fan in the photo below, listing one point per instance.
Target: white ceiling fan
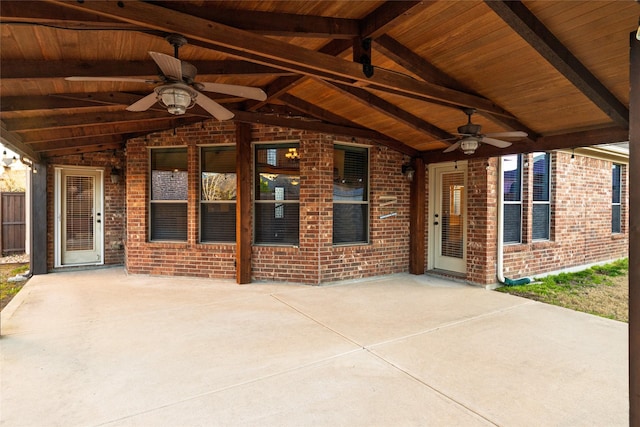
(178, 91)
(472, 138)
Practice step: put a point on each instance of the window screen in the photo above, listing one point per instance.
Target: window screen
(541, 196)
(512, 197)
(168, 210)
(218, 194)
(616, 197)
(277, 194)
(350, 195)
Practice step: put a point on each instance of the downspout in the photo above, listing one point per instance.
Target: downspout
(500, 242)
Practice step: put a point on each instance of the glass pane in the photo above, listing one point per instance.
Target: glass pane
(541, 162)
(540, 222)
(452, 214)
(512, 175)
(350, 223)
(278, 187)
(512, 223)
(79, 213)
(169, 221)
(615, 219)
(218, 222)
(277, 172)
(350, 173)
(218, 186)
(615, 183)
(169, 177)
(277, 223)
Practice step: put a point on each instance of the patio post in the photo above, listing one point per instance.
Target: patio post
(634, 232)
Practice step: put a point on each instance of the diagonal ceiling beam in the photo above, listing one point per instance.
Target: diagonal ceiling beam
(279, 54)
(19, 69)
(372, 101)
(15, 143)
(534, 32)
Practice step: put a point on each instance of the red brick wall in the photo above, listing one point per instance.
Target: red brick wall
(315, 260)
(581, 219)
(114, 215)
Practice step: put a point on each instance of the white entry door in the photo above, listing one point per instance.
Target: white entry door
(449, 218)
(79, 215)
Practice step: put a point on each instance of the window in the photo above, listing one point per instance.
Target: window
(277, 194)
(218, 194)
(350, 195)
(541, 196)
(616, 197)
(512, 196)
(168, 210)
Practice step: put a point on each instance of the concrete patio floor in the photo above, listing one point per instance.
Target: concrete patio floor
(101, 348)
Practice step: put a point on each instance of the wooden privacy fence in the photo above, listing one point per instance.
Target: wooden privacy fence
(12, 223)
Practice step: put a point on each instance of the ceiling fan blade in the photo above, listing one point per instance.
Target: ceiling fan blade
(171, 67)
(213, 108)
(452, 147)
(108, 79)
(143, 104)
(495, 142)
(513, 134)
(235, 90)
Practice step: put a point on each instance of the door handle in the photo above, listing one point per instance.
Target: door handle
(436, 223)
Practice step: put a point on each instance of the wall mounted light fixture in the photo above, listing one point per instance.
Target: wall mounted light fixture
(408, 171)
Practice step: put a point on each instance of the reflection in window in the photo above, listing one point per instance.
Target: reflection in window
(350, 194)
(168, 201)
(541, 196)
(218, 190)
(277, 194)
(616, 197)
(512, 197)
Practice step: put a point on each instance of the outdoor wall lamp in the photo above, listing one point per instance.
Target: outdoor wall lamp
(115, 175)
(408, 171)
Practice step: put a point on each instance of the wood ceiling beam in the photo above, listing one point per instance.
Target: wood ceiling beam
(318, 126)
(146, 126)
(388, 15)
(372, 101)
(20, 69)
(83, 149)
(429, 72)
(59, 145)
(271, 23)
(15, 143)
(314, 111)
(534, 32)
(276, 53)
(570, 140)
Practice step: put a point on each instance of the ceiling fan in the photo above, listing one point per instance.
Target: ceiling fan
(471, 136)
(178, 91)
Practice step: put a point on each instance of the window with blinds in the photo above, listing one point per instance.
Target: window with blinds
(218, 194)
(616, 198)
(277, 194)
(168, 201)
(79, 213)
(350, 195)
(512, 198)
(541, 220)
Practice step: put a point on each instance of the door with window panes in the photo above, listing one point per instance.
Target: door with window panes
(449, 218)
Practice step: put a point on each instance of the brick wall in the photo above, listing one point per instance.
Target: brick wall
(315, 260)
(114, 215)
(580, 219)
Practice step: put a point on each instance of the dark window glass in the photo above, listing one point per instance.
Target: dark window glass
(512, 197)
(277, 194)
(218, 190)
(350, 194)
(541, 196)
(616, 197)
(540, 222)
(169, 186)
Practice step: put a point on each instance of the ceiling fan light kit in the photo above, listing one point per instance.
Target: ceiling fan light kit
(176, 98)
(469, 145)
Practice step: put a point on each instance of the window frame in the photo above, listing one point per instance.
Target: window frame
(202, 202)
(618, 204)
(519, 202)
(541, 202)
(268, 146)
(366, 194)
(157, 202)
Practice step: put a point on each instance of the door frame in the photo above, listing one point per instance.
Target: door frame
(434, 191)
(57, 214)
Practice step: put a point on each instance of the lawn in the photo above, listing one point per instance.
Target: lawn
(601, 290)
(9, 290)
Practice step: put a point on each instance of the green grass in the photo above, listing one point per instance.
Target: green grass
(600, 290)
(8, 289)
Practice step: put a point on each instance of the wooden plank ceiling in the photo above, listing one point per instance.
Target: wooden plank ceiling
(557, 70)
